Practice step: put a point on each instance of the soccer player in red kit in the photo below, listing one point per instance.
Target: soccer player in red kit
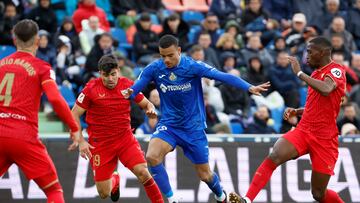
(23, 78)
(317, 133)
(110, 135)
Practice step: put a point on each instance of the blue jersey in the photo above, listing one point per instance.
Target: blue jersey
(181, 96)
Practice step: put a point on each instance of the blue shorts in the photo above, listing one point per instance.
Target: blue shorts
(193, 143)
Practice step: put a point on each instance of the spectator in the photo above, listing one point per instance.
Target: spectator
(310, 8)
(211, 26)
(293, 36)
(279, 46)
(281, 10)
(256, 73)
(285, 81)
(91, 28)
(210, 54)
(259, 124)
(103, 45)
(213, 93)
(10, 18)
(197, 53)
(254, 16)
(225, 10)
(150, 6)
(227, 43)
(353, 23)
(44, 16)
(125, 70)
(174, 25)
(349, 117)
(338, 45)
(46, 50)
(355, 64)
(355, 94)
(255, 48)
(125, 11)
(236, 101)
(145, 40)
(211, 116)
(86, 9)
(234, 29)
(67, 28)
(228, 61)
(338, 26)
(349, 129)
(272, 30)
(331, 10)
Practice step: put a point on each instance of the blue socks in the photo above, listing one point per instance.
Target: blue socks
(162, 179)
(215, 186)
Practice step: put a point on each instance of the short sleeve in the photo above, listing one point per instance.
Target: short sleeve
(337, 74)
(84, 99)
(46, 73)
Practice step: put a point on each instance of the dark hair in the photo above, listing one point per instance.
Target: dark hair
(25, 30)
(322, 43)
(107, 63)
(167, 41)
(173, 17)
(195, 48)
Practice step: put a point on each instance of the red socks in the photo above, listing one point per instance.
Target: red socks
(261, 177)
(152, 191)
(331, 197)
(54, 194)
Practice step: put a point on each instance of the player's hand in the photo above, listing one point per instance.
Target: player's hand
(295, 65)
(126, 93)
(289, 112)
(75, 136)
(256, 90)
(84, 148)
(151, 113)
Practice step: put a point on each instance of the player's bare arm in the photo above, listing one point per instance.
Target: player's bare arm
(290, 112)
(323, 87)
(84, 146)
(148, 107)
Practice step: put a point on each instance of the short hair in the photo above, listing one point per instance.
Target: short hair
(25, 31)
(107, 63)
(321, 42)
(173, 17)
(195, 49)
(167, 41)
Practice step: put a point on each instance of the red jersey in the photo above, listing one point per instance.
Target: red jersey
(21, 79)
(108, 112)
(320, 112)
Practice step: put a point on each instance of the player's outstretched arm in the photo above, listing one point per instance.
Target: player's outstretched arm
(323, 87)
(60, 106)
(148, 107)
(144, 78)
(84, 146)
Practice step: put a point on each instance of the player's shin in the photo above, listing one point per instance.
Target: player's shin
(216, 187)
(331, 197)
(162, 179)
(261, 178)
(152, 191)
(54, 193)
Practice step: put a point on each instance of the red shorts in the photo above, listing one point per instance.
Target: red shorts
(105, 156)
(323, 152)
(32, 158)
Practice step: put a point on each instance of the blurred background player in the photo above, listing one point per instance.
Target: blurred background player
(110, 136)
(23, 79)
(178, 81)
(316, 133)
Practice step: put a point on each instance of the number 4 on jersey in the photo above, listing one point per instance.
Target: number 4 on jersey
(7, 81)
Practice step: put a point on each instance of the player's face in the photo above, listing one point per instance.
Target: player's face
(110, 79)
(313, 56)
(170, 55)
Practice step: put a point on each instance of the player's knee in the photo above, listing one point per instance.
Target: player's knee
(143, 174)
(153, 159)
(103, 193)
(318, 194)
(276, 157)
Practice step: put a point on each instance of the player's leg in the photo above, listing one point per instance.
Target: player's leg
(157, 150)
(5, 161)
(290, 146)
(51, 186)
(133, 158)
(319, 182)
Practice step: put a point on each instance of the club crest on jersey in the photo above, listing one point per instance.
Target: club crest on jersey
(172, 76)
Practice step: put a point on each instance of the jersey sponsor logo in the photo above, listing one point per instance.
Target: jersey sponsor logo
(12, 115)
(161, 76)
(172, 76)
(184, 87)
(336, 72)
(81, 97)
(101, 95)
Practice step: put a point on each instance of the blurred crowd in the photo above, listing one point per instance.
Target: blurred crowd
(246, 38)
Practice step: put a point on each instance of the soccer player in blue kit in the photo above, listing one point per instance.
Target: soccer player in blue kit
(178, 80)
